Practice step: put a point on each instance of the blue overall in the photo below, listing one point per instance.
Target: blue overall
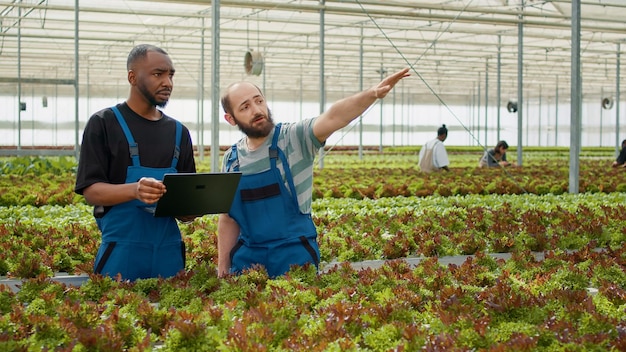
(134, 242)
(273, 231)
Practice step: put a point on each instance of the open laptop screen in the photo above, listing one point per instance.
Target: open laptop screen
(197, 193)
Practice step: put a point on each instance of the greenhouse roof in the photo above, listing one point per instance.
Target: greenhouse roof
(454, 47)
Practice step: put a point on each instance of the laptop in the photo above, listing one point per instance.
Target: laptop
(197, 193)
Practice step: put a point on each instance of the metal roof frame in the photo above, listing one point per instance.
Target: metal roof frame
(452, 45)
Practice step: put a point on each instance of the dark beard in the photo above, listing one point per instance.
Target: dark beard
(159, 104)
(257, 132)
(151, 97)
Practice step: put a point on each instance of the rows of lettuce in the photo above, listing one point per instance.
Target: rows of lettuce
(388, 176)
(572, 297)
(49, 239)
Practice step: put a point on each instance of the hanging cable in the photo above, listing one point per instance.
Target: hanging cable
(437, 96)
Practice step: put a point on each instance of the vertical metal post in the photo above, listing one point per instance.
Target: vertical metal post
(470, 111)
(520, 82)
(215, 85)
(322, 83)
(393, 119)
(200, 97)
(405, 115)
(539, 116)
(19, 77)
(527, 121)
(478, 111)
(499, 97)
(576, 101)
(361, 89)
(601, 112)
(548, 122)
(556, 114)
(76, 81)
(617, 95)
(486, 99)
(301, 94)
(382, 75)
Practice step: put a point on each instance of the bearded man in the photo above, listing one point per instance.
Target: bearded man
(270, 222)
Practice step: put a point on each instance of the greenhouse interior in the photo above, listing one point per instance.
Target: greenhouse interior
(509, 237)
(488, 69)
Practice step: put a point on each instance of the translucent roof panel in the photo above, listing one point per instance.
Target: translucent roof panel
(452, 46)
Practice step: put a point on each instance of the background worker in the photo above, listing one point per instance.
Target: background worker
(433, 155)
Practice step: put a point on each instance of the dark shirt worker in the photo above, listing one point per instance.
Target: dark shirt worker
(621, 158)
(125, 151)
(496, 156)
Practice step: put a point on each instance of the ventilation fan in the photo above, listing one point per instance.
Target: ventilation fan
(253, 62)
(607, 103)
(511, 106)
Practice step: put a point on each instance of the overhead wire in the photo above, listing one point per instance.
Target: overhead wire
(433, 92)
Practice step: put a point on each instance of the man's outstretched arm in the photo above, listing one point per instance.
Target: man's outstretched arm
(342, 112)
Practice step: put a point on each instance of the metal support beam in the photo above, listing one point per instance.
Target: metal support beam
(215, 86)
(486, 100)
(576, 101)
(321, 78)
(617, 100)
(76, 80)
(520, 85)
(361, 89)
(499, 93)
(52, 81)
(556, 114)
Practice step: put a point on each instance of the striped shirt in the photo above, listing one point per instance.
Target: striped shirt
(300, 146)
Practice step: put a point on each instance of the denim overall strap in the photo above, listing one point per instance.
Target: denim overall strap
(232, 160)
(134, 242)
(132, 145)
(275, 153)
(179, 134)
(273, 230)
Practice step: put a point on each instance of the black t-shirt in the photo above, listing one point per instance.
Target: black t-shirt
(621, 158)
(105, 156)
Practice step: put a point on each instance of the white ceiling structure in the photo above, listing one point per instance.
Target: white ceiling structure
(455, 48)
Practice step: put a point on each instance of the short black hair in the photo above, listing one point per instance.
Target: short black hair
(502, 144)
(442, 130)
(139, 52)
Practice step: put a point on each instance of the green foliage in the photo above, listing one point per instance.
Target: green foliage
(610, 272)
(7, 299)
(96, 287)
(375, 309)
(37, 165)
(189, 336)
(384, 338)
(563, 288)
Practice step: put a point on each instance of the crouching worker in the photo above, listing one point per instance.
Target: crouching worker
(270, 222)
(125, 152)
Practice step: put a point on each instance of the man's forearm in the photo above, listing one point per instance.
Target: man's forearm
(147, 190)
(347, 109)
(227, 234)
(107, 194)
(343, 111)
